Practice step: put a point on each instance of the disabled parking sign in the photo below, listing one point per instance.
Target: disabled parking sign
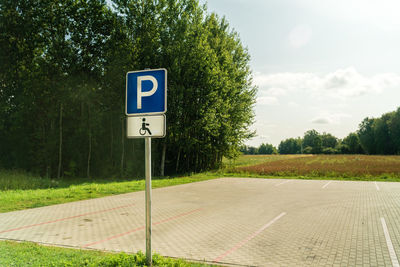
(146, 103)
(146, 126)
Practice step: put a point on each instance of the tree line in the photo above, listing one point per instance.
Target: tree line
(62, 85)
(374, 136)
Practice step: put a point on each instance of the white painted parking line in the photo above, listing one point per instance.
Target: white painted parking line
(389, 244)
(327, 184)
(284, 182)
(246, 240)
(377, 187)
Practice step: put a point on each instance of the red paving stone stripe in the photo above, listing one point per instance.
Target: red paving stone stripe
(64, 219)
(246, 240)
(140, 228)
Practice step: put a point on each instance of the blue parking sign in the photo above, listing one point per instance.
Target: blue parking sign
(146, 92)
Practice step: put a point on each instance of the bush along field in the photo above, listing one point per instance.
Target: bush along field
(349, 167)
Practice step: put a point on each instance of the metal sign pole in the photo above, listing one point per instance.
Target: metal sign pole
(148, 199)
(145, 106)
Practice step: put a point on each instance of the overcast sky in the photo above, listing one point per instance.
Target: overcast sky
(322, 65)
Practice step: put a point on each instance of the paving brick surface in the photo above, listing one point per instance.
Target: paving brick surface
(236, 221)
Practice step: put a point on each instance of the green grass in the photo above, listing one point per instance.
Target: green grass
(44, 192)
(30, 254)
(18, 180)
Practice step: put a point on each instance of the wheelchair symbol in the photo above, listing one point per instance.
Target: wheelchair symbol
(144, 128)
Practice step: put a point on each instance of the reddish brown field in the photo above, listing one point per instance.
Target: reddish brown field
(329, 166)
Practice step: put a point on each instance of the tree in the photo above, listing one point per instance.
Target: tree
(329, 150)
(383, 140)
(367, 136)
(328, 140)
(62, 82)
(352, 144)
(314, 140)
(394, 130)
(290, 146)
(60, 69)
(266, 149)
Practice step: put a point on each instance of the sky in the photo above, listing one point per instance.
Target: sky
(323, 65)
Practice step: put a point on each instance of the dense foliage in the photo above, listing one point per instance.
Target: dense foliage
(290, 146)
(376, 136)
(263, 149)
(381, 135)
(62, 85)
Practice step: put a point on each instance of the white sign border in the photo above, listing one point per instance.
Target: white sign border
(126, 94)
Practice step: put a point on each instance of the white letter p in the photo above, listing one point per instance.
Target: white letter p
(141, 94)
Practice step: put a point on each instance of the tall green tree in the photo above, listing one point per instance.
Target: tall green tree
(352, 144)
(290, 146)
(383, 141)
(266, 149)
(367, 135)
(394, 130)
(210, 96)
(59, 67)
(62, 85)
(313, 140)
(328, 140)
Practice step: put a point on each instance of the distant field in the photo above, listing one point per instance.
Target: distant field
(249, 160)
(340, 166)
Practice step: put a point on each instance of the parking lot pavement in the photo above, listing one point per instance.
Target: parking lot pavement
(234, 221)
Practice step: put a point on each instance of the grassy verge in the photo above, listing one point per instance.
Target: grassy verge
(18, 180)
(30, 254)
(12, 200)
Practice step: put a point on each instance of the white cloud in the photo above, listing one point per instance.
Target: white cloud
(267, 100)
(276, 91)
(340, 84)
(293, 104)
(382, 14)
(284, 82)
(300, 36)
(264, 137)
(348, 82)
(327, 118)
(321, 120)
(265, 125)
